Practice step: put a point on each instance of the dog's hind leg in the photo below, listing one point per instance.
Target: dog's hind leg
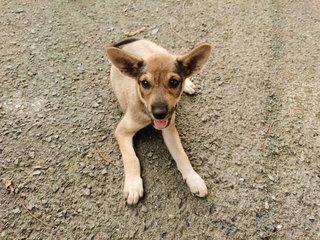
(189, 87)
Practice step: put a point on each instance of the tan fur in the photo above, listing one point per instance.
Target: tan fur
(142, 62)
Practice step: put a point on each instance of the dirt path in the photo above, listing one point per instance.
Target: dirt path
(252, 131)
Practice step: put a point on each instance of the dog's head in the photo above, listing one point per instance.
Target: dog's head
(160, 77)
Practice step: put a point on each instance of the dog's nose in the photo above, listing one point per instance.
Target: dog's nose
(159, 111)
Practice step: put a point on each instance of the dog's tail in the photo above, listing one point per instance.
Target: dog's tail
(124, 42)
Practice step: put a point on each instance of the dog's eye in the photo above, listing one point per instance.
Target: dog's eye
(145, 84)
(173, 83)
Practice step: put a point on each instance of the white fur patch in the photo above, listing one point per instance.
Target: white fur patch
(189, 87)
(133, 189)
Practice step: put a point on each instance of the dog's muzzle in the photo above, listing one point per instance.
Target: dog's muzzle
(160, 115)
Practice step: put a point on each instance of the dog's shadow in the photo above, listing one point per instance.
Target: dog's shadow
(149, 145)
(155, 160)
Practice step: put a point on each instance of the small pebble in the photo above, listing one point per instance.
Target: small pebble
(271, 178)
(37, 172)
(30, 206)
(266, 205)
(95, 104)
(103, 138)
(57, 221)
(203, 119)
(31, 154)
(16, 210)
(155, 31)
(144, 209)
(55, 189)
(312, 218)
(86, 192)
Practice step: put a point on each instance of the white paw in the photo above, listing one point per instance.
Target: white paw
(189, 87)
(133, 189)
(196, 184)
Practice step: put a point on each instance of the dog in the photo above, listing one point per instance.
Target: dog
(148, 82)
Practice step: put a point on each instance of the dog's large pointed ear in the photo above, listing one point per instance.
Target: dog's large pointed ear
(127, 63)
(194, 60)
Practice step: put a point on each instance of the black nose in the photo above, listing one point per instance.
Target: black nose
(159, 111)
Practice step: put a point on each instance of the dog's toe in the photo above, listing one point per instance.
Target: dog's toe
(197, 185)
(133, 190)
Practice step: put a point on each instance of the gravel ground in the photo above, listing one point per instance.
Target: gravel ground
(252, 131)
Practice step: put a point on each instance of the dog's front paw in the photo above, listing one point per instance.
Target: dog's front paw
(133, 189)
(189, 87)
(196, 184)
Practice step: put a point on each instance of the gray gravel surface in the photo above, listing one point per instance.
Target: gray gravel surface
(252, 131)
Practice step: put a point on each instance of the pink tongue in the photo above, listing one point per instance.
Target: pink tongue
(160, 124)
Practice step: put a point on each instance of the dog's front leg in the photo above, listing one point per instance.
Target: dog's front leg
(194, 181)
(133, 186)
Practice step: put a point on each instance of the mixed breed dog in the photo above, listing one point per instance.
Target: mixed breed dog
(148, 82)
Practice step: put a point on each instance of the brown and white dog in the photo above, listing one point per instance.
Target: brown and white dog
(148, 82)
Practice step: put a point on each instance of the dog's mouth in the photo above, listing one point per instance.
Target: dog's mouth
(161, 123)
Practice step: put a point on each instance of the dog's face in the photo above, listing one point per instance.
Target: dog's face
(160, 78)
(160, 87)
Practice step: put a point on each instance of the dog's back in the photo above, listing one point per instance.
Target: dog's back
(140, 47)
